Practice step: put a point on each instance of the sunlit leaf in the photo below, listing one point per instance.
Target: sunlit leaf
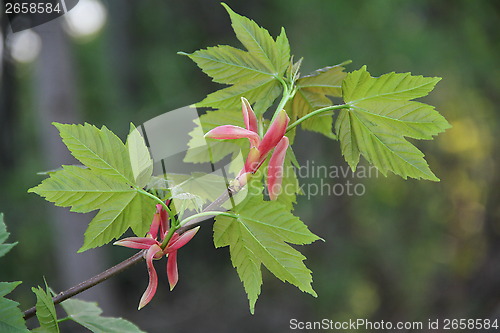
(108, 184)
(85, 190)
(140, 158)
(381, 115)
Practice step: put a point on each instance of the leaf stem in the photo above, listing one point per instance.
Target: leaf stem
(261, 125)
(287, 94)
(168, 236)
(315, 113)
(63, 319)
(208, 213)
(154, 197)
(174, 222)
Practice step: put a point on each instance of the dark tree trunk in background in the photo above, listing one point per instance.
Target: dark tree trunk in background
(7, 116)
(119, 57)
(55, 100)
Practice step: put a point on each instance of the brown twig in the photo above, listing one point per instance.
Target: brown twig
(101, 277)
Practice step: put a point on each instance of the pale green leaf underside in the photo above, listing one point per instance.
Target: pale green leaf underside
(85, 190)
(140, 158)
(45, 311)
(4, 248)
(381, 115)
(88, 315)
(258, 236)
(11, 317)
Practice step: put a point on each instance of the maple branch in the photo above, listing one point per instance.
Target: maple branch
(136, 258)
(93, 281)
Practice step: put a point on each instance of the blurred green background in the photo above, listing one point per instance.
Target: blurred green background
(404, 250)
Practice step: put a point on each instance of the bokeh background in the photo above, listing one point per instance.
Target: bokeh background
(405, 250)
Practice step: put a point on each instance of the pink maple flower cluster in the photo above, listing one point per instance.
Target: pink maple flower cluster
(153, 244)
(274, 138)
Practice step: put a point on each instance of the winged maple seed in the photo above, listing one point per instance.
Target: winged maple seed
(153, 245)
(259, 147)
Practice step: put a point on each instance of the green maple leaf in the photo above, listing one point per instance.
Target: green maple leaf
(380, 116)
(110, 183)
(311, 95)
(46, 311)
(11, 317)
(88, 315)
(259, 236)
(252, 74)
(98, 149)
(4, 248)
(140, 159)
